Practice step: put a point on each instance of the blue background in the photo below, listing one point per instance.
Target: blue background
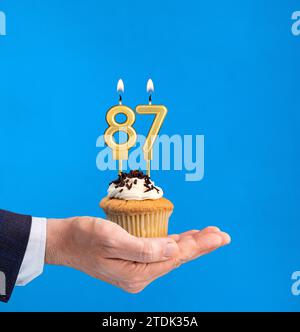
(226, 69)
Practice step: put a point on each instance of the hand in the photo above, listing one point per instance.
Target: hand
(106, 251)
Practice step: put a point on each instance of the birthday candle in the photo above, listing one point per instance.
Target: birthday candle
(160, 112)
(120, 151)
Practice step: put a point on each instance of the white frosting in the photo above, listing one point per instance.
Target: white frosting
(137, 192)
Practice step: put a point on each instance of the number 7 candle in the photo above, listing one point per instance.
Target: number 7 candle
(160, 112)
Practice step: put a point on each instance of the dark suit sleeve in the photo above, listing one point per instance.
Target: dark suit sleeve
(14, 237)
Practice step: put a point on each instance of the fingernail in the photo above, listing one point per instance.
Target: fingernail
(216, 239)
(213, 228)
(171, 249)
(226, 238)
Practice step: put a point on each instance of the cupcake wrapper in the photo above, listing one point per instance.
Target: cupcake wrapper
(143, 225)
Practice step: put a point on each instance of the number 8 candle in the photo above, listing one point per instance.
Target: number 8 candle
(120, 151)
(160, 113)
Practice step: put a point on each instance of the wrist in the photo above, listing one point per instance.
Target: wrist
(57, 230)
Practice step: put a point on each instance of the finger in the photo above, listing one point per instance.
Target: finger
(226, 238)
(177, 237)
(116, 243)
(199, 244)
(209, 229)
(143, 250)
(190, 247)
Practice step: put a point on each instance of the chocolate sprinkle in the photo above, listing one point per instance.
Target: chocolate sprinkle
(124, 178)
(129, 186)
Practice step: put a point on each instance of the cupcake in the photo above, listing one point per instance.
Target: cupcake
(137, 205)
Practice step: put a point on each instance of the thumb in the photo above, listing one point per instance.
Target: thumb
(145, 250)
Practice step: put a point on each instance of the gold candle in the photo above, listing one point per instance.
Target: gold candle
(120, 151)
(160, 112)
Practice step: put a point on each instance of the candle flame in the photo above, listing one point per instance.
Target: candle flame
(120, 86)
(150, 86)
